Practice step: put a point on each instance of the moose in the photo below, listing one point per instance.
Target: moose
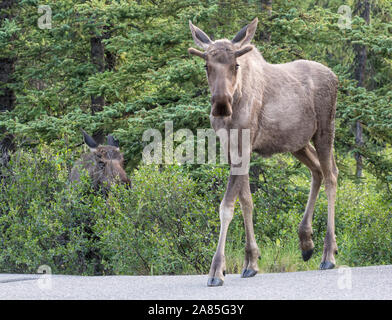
(104, 163)
(285, 107)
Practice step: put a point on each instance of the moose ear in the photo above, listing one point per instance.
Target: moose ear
(200, 38)
(112, 142)
(89, 141)
(246, 34)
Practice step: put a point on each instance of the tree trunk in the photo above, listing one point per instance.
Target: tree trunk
(363, 9)
(266, 5)
(7, 95)
(98, 59)
(103, 60)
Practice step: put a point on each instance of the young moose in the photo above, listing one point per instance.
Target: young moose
(104, 164)
(284, 106)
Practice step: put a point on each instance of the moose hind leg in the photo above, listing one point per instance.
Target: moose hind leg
(330, 173)
(308, 156)
(252, 252)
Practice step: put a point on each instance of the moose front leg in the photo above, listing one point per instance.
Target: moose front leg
(226, 211)
(218, 265)
(252, 251)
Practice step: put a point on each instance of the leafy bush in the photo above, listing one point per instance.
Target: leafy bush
(364, 224)
(168, 222)
(43, 220)
(160, 226)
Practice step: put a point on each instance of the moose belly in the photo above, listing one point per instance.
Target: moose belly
(286, 131)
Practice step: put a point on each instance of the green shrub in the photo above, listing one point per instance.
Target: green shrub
(168, 222)
(43, 220)
(364, 224)
(160, 226)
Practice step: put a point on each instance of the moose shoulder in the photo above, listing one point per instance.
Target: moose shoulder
(104, 163)
(282, 108)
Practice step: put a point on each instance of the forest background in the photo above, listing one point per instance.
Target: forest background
(122, 67)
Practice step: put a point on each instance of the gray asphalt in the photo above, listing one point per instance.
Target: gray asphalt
(353, 283)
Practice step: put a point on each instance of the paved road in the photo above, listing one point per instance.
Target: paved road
(355, 283)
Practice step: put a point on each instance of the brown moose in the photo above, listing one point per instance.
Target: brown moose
(285, 107)
(104, 163)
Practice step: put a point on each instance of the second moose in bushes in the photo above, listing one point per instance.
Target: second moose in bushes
(104, 164)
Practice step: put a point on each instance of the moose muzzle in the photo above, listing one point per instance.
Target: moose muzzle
(221, 105)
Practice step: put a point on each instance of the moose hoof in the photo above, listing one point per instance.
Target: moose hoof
(327, 265)
(307, 254)
(248, 273)
(214, 282)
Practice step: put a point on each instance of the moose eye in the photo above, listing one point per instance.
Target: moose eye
(237, 66)
(205, 67)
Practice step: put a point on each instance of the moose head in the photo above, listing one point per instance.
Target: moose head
(104, 163)
(222, 66)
